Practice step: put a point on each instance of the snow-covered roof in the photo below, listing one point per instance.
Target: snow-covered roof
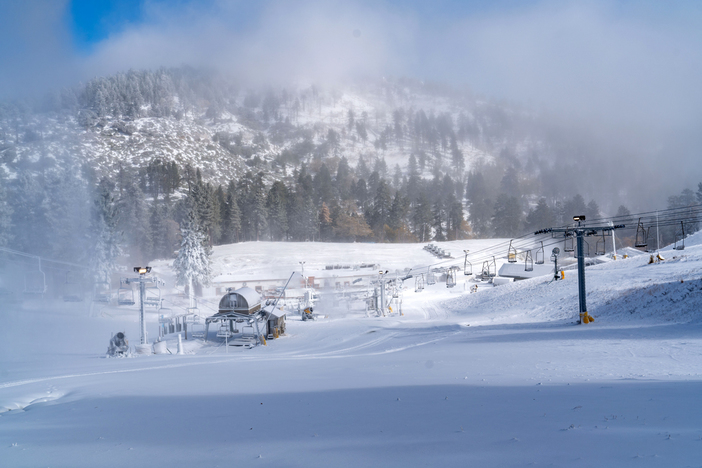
(242, 301)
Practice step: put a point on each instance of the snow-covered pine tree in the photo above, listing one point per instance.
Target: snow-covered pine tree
(193, 260)
(105, 236)
(5, 215)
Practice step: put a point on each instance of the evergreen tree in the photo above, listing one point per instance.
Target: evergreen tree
(323, 185)
(455, 222)
(231, 217)
(507, 218)
(349, 226)
(5, 214)
(164, 232)
(325, 223)
(276, 208)
(192, 264)
(541, 217)
(421, 218)
(592, 211)
(459, 162)
(106, 239)
(134, 222)
(573, 207)
(622, 211)
(67, 214)
(343, 179)
(480, 207)
(437, 213)
(257, 201)
(381, 209)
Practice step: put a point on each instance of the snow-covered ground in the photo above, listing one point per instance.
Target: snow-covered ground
(503, 377)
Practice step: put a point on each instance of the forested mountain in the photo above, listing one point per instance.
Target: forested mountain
(119, 162)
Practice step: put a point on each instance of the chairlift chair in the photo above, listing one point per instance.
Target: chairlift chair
(511, 253)
(489, 268)
(586, 248)
(152, 295)
(641, 235)
(101, 292)
(34, 282)
(431, 277)
(125, 293)
(601, 245)
(528, 262)
(680, 237)
(467, 267)
(419, 283)
(485, 272)
(569, 242)
(540, 255)
(451, 277)
(71, 289)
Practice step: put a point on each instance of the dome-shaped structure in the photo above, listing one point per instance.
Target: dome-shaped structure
(244, 301)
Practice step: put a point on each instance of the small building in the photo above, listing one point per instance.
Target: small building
(243, 301)
(276, 324)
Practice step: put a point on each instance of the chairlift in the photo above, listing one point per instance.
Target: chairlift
(431, 277)
(72, 289)
(511, 253)
(586, 249)
(528, 262)
(601, 245)
(489, 268)
(101, 292)
(451, 277)
(125, 293)
(152, 295)
(641, 235)
(569, 242)
(35, 281)
(540, 255)
(467, 267)
(419, 283)
(680, 237)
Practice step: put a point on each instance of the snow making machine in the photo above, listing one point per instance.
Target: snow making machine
(242, 319)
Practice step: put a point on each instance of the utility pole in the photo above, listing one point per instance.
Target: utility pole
(580, 232)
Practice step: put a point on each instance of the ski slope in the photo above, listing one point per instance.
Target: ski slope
(502, 377)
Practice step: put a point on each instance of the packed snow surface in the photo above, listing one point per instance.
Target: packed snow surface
(501, 377)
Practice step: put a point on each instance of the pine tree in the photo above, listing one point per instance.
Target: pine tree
(325, 223)
(541, 217)
(257, 201)
(421, 218)
(106, 239)
(507, 219)
(68, 214)
(231, 221)
(134, 222)
(592, 211)
(276, 208)
(192, 264)
(5, 214)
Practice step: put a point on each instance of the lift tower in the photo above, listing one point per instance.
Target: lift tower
(580, 232)
(141, 280)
